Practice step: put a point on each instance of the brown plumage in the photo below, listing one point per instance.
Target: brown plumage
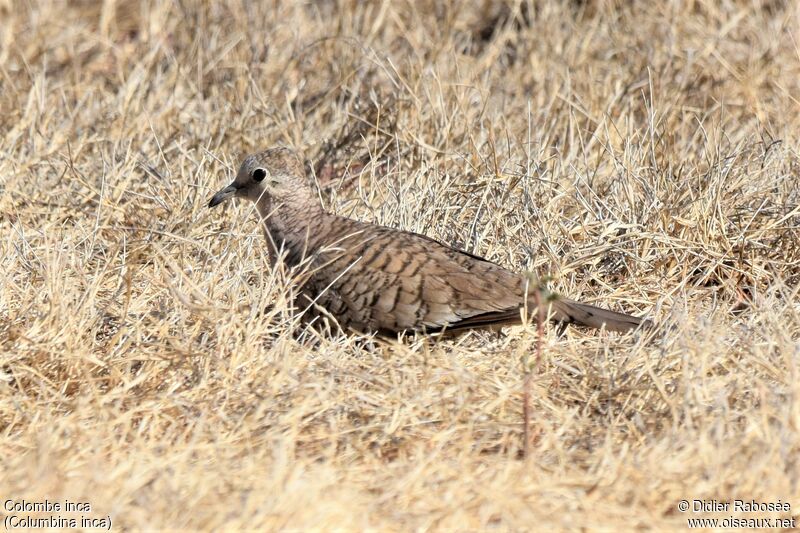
(375, 278)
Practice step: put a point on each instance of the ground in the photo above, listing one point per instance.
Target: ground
(639, 156)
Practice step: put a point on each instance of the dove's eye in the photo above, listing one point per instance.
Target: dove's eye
(259, 174)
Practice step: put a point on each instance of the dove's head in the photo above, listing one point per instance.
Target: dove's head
(274, 175)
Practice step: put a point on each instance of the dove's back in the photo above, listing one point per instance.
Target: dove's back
(375, 278)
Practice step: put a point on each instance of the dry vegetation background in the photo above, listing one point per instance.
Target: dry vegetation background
(642, 155)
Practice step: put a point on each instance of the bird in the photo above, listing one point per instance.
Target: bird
(377, 279)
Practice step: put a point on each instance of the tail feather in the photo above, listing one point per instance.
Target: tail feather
(561, 310)
(573, 312)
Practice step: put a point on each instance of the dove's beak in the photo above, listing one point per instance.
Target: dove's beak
(224, 194)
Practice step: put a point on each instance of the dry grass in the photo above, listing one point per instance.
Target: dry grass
(644, 156)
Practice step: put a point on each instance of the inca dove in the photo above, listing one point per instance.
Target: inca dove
(374, 278)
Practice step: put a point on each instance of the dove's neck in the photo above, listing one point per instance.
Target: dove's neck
(292, 224)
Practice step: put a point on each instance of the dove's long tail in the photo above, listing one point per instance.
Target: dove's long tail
(570, 311)
(561, 310)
